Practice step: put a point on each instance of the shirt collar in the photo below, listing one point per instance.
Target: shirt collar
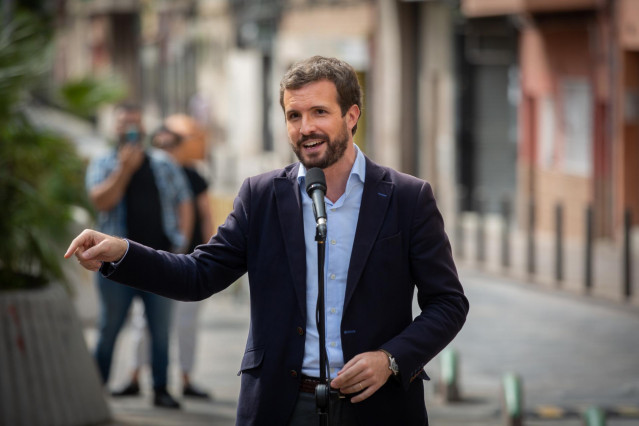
(358, 170)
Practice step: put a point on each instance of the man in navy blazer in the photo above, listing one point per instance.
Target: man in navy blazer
(398, 243)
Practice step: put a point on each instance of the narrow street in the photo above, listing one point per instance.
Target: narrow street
(571, 352)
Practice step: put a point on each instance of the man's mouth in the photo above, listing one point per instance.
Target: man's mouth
(312, 144)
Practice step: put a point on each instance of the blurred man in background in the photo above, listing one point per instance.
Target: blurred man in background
(140, 194)
(179, 144)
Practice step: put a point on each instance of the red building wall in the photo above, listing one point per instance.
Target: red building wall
(557, 74)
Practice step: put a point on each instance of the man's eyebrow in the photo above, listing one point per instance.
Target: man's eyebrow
(313, 107)
(320, 106)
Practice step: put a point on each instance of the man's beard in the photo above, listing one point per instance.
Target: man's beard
(335, 149)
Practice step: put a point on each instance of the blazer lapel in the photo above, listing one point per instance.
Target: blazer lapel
(375, 199)
(289, 208)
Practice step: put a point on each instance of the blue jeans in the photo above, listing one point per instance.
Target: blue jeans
(115, 301)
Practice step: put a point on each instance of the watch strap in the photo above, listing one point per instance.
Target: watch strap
(392, 364)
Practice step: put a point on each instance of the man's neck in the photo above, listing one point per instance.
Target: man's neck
(337, 174)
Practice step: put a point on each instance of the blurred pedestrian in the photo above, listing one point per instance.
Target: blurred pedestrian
(142, 194)
(185, 313)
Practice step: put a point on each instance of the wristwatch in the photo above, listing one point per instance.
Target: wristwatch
(392, 364)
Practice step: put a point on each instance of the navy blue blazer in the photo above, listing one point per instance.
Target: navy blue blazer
(399, 244)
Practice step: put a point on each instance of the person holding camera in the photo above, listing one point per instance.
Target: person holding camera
(176, 137)
(141, 194)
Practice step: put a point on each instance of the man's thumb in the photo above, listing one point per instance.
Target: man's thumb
(93, 252)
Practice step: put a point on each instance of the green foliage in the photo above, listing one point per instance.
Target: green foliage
(84, 96)
(41, 176)
(23, 47)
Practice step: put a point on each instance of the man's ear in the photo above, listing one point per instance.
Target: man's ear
(352, 116)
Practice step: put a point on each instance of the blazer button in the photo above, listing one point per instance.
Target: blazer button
(300, 331)
(293, 373)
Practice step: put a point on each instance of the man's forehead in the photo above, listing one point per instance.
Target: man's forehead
(322, 91)
(129, 115)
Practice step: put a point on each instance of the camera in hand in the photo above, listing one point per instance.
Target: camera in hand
(133, 135)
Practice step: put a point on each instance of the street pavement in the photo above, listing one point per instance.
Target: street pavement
(570, 351)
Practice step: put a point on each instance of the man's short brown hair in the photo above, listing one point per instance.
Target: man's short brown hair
(317, 68)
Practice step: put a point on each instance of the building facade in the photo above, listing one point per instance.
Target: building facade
(577, 159)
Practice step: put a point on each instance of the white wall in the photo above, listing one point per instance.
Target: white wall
(385, 90)
(436, 106)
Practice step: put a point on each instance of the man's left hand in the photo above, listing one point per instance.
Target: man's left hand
(365, 373)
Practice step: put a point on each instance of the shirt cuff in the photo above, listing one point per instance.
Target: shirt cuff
(108, 268)
(115, 264)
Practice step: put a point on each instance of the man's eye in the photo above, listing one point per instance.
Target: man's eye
(293, 116)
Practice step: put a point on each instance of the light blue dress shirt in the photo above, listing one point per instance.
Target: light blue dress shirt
(341, 221)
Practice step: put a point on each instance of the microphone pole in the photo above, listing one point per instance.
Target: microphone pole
(322, 391)
(316, 189)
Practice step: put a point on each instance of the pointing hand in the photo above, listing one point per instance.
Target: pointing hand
(92, 248)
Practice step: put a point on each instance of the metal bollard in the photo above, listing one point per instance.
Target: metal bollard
(559, 242)
(530, 266)
(481, 232)
(512, 400)
(627, 254)
(588, 251)
(505, 233)
(459, 237)
(459, 228)
(594, 416)
(448, 384)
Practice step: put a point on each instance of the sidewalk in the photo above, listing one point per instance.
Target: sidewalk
(224, 321)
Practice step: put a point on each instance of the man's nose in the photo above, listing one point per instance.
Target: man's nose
(308, 126)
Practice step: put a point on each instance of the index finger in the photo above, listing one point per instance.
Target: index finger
(76, 244)
(347, 373)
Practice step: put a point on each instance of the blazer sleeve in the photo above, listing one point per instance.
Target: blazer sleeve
(440, 295)
(211, 268)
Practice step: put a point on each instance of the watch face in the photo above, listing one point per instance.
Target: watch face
(393, 366)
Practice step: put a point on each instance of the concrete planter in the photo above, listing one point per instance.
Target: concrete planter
(47, 376)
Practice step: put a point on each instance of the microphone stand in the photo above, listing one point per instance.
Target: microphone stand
(322, 390)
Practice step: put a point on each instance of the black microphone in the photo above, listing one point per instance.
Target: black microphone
(316, 189)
